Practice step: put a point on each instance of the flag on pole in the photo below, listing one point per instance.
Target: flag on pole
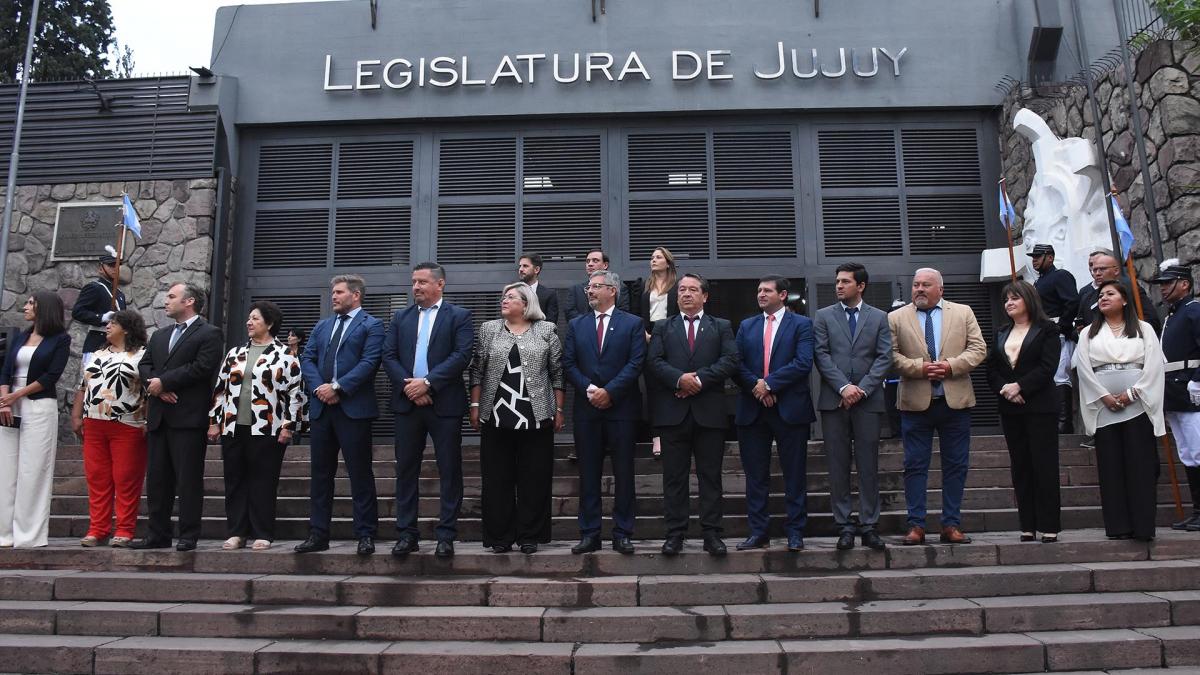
(130, 219)
(1008, 215)
(1123, 232)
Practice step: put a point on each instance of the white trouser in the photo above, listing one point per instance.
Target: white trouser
(1185, 426)
(1062, 376)
(27, 473)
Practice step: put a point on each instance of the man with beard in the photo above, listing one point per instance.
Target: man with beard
(529, 270)
(577, 298)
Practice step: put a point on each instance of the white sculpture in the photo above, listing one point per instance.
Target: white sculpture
(1065, 207)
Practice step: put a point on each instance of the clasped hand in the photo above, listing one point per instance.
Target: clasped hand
(1012, 393)
(1115, 403)
(689, 385)
(327, 394)
(936, 370)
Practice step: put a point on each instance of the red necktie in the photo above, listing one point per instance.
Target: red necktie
(692, 333)
(767, 333)
(600, 333)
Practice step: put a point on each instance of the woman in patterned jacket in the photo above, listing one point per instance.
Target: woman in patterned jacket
(255, 411)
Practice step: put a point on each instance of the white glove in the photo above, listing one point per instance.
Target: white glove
(107, 316)
(1194, 392)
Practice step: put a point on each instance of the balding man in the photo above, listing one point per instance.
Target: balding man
(1105, 266)
(935, 346)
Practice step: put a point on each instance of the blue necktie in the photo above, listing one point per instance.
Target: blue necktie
(421, 359)
(330, 356)
(930, 343)
(179, 328)
(853, 312)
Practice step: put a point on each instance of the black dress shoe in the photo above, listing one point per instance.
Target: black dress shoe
(144, 544)
(672, 546)
(622, 545)
(502, 548)
(713, 545)
(873, 541)
(754, 541)
(445, 549)
(795, 542)
(185, 545)
(846, 541)
(312, 545)
(528, 549)
(366, 546)
(588, 544)
(404, 546)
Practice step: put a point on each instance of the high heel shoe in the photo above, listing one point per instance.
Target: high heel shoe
(1027, 536)
(656, 447)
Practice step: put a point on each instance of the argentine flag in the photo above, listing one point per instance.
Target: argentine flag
(130, 219)
(1123, 232)
(1008, 215)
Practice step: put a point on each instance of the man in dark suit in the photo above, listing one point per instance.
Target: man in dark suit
(339, 364)
(691, 355)
(776, 349)
(1060, 299)
(529, 269)
(602, 357)
(578, 301)
(854, 355)
(1104, 267)
(179, 368)
(428, 346)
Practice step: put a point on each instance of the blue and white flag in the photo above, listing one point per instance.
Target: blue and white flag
(1008, 215)
(1123, 232)
(130, 219)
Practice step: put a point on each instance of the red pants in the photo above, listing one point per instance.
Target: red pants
(114, 460)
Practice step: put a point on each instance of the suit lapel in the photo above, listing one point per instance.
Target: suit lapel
(1033, 331)
(191, 330)
(918, 324)
(786, 326)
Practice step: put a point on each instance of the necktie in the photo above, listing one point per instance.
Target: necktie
(179, 328)
(421, 359)
(852, 312)
(600, 333)
(691, 333)
(768, 333)
(930, 343)
(334, 344)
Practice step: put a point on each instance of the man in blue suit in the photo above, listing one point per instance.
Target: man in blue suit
(428, 347)
(339, 364)
(776, 347)
(602, 357)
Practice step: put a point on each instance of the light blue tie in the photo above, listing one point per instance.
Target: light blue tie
(421, 360)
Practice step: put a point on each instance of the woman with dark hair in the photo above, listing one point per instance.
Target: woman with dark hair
(110, 414)
(1120, 367)
(1020, 371)
(659, 301)
(295, 341)
(29, 421)
(256, 409)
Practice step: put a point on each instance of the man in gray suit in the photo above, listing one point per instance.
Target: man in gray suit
(853, 352)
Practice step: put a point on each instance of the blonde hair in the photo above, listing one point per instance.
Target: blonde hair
(671, 276)
(533, 309)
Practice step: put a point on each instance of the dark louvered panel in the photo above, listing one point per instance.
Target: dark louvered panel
(476, 233)
(855, 226)
(382, 306)
(938, 157)
(753, 160)
(382, 169)
(287, 172)
(372, 236)
(946, 224)
(756, 228)
(291, 238)
(878, 294)
(300, 312)
(484, 306)
(857, 158)
(681, 225)
(668, 162)
(561, 164)
(561, 230)
(977, 295)
(477, 166)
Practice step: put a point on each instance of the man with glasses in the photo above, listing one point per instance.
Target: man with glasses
(1104, 266)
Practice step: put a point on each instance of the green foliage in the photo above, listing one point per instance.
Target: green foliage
(73, 41)
(1182, 16)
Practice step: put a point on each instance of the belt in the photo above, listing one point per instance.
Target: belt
(94, 329)
(1182, 365)
(1119, 366)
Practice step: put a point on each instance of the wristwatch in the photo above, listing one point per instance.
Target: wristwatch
(427, 382)
(337, 387)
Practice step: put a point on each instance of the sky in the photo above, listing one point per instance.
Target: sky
(168, 36)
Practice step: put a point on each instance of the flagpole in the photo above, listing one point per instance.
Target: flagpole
(1012, 262)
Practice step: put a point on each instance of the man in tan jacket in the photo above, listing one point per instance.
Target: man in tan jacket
(935, 346)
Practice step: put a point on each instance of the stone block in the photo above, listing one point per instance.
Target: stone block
(593, 592)
(1180, 115)
(175, 259)
(1150, 575)
(29, 616)
(926, 655)
(1070, 551)
(786, 588)
(1180, 645)
(1185, 606)
(941, 555)
(121, 619)
(916, 617)
(394, 591)
(477, 658)
(49, 653)
(433, 623)
(155, 587)
(197, 254)
(201, 202)
(155, 254)
(29, 584)
(204, 620)
(1179, 149)
(62, 192)
(320, 656)
(720, 658)
(1183, 179)
(711, 589)
(974, 581)
(1073, 612)
(172, 233)
(157, 655)
(633, 624)
(1104, 649)
(1168, 81)
(787, 620)
(298, 589)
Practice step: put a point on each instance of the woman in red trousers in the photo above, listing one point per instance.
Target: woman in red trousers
(110, 413)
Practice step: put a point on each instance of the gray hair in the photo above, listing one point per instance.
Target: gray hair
(611, 278)
(533, 309)
(354, 283)
(1099, 251)
(936, 275)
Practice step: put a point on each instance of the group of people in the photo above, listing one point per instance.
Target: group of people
(147, 407)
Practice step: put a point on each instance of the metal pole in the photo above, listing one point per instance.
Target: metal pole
(6, 222)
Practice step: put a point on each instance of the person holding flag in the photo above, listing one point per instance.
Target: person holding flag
(102, 297)
(1181, 349)
(1056, 289)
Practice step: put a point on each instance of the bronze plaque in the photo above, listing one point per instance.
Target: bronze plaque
(83, 229)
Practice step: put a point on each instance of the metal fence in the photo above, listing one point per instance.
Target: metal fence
(1139, 18)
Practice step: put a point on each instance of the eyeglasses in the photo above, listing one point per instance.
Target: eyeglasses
(596, 287)
(512, 296)
(1106, 267)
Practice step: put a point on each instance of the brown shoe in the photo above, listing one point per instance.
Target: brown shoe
(953, 535)
(915, 536)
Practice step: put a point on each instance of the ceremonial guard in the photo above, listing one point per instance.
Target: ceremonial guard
(1060, 299)
(1181, 348)
(95, 305)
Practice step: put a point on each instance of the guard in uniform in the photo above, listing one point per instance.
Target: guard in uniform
(1181, 347)
(1060, 299)
(95, 306)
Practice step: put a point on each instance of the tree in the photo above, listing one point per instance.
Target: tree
(1182, 16)
(122, 60)
(73, 41)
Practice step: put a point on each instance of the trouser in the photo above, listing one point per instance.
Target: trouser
(1185, 426)
(754, 445)
(517, 468)
(1062, 376)
(954, 430)
(592, 438)
(1033, 462)
(446, 433)
(679, 443)
(332, 432)
(853, 433)
(114, 461)
(27, 473)
(1127, 461)
(175, 467)
(252, 464)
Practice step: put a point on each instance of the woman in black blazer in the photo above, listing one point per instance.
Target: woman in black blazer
(1021, 368)
(29, 422)
(659, 301)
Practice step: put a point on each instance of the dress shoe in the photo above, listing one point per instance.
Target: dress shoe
(445, 549)
(528, 549)
(1027, 536)
(795, 542)
(915, 536)
(587, 544)
(953, 535)
(754, 541)
(1049, 537)
(1192, 522)
(873, 541)
(143, 544)
(185, 545)
(846, 541)
(622, 545)
(714, 546)
(502, 548)
(313, 544)
(673, 545)
(406, 545)
(366, 546)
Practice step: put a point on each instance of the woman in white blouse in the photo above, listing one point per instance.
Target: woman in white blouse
(659, 300)
(1120, 367)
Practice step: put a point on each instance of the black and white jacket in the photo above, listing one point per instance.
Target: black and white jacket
(277, 394)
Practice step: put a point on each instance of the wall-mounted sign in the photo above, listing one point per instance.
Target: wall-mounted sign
(83, 229)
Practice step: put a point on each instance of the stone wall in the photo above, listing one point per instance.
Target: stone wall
(1167, 86)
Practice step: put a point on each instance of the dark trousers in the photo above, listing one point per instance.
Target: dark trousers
(592, 438)
(1127, 461)
(953, 428)
(175, 467)
(1033, 461)
(754, 444)
(251, 465)
(853, 435)
(446, 433)
(679, 443)
(517, 468)
(332, 432)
